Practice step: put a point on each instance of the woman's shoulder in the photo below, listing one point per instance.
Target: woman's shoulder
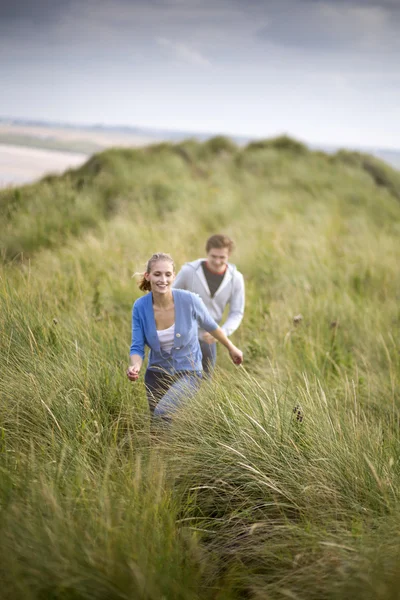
(142, 302)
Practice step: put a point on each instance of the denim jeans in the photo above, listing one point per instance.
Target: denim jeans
(166, 393)
(209, 352)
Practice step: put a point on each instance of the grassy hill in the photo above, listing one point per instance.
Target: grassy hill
(281, 480)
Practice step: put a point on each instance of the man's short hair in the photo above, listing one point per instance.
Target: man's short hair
(219, 241)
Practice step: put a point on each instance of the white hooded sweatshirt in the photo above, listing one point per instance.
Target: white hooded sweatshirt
(231, 291)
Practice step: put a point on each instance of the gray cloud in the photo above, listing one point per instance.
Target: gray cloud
(386, 4)
(271, 65)
(317, 26)
(184, 52)
(38, 12)
(338, 26)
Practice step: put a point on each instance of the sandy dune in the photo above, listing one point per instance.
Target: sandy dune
(19, 165)
(105, 138)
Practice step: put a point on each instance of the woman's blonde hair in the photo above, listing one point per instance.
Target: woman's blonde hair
(144, 285)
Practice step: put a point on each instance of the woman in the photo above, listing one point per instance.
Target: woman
(167, 321)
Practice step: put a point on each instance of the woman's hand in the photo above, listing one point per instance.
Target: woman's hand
(133, 372)
(236, 355)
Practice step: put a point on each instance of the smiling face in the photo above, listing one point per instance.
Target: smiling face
(161, 276)
(217, 259)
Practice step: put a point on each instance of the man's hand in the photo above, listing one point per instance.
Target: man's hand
(208, 338)
(133, 373)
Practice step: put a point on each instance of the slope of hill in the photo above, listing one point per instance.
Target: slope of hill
(282, 478)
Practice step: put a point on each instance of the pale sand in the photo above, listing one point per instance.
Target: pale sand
(104, 139)
(19, 164)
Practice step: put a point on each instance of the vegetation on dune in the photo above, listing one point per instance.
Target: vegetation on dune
(381, 173)
(282, 478)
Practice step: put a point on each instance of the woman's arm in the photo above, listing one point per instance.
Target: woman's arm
(136, 362)
(235, 354)
(208, 323)
(137, 346)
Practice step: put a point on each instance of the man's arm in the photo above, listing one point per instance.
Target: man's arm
(236, 306)
(181, 280)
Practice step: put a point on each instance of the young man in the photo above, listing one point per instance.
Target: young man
(218, 283)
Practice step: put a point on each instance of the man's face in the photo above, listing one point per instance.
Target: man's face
(217, 259)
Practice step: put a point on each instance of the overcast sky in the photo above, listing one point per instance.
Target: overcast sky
(324, 71)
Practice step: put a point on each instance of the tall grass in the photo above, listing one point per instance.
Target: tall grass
(281, 479)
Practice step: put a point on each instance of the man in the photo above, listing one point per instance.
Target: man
(218, 283)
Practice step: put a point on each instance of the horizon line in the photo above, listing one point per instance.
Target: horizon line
(29, 121)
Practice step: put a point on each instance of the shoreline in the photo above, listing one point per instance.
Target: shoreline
(21, 165)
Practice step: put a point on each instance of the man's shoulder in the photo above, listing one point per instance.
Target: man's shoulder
(194, 264)
(181, 293)
(234, 270)
(237, 279)
(186, 296)
(184, 293)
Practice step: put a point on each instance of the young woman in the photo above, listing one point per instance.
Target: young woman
(167, 321)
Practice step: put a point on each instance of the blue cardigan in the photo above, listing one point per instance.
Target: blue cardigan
(190, 312)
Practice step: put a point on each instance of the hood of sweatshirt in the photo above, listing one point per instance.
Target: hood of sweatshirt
(196, 265)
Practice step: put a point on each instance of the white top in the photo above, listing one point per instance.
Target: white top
(231, 291)
(166, 338)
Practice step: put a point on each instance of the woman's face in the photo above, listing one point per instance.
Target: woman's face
(161, 276)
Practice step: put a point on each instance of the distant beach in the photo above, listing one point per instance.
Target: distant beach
(19, 164)
(30, 151)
